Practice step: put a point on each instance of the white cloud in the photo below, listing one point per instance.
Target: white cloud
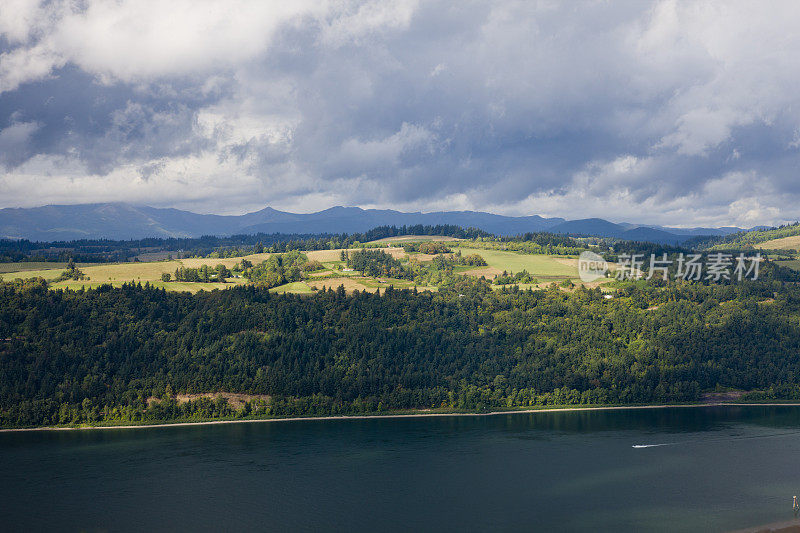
(727, 64)
(21, 19)
(24, 65)
(16, 135)
(14, 141)
(137, 40)
(364, 155)
(350, 22)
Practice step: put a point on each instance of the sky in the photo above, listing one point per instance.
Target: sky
(664, 112)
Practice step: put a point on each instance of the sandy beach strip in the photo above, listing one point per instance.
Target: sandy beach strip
(790, 526)
(402, 415)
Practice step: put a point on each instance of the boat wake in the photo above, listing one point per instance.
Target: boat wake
(730, 438)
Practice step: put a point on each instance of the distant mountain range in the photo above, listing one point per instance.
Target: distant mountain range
(121, 221)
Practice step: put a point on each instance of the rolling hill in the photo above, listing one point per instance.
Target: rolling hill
(781, 238)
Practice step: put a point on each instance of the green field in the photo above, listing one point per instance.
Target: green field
(786, 243)
(179, 286)
(794, 264)
(414, 238)
(373, 283)
(298, 287)
(119, 273)
(541, 266)
(140, 272)
(25, 266)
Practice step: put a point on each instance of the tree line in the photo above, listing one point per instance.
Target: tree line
(108, 250)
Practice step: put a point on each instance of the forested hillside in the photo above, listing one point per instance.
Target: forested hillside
(111, 355)
(752, 239)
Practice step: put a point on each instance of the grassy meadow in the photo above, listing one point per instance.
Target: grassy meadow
(546, 268)
(297, 287)
(414, 238)
(786, 243)
(794, 264)
(25, 266)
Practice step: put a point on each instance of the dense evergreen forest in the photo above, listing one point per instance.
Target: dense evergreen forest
(117, 355)
(106, 250)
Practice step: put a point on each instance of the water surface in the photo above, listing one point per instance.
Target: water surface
(677, 469)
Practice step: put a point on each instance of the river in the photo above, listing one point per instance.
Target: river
(673, 469)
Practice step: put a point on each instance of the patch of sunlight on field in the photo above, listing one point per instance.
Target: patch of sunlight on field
(131, 271)
(786, 243)
(350, 283)
(324, 256)
(181, 286)
(794, 264)
(26, 266)
(298, 287)
(373, 283)
(174, 286)
(229, 262)
(542, 266)
(121, 272)
(108, 272)
(46, 274)
(415, 238)
(360, 283)
(328, 256)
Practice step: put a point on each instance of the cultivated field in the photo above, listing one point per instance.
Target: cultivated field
(118, 273)
(350, 284)
(324, 256)
(198, 262)
(48, 274)
(794, 264)
(786, 243)
(25, 266)
(415, 238)
(544, 267)
(178, 286)
(298, 287)
(485, 272)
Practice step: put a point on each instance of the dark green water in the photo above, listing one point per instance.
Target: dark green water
(720, 468)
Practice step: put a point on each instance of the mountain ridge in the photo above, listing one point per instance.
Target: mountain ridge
(123, 221)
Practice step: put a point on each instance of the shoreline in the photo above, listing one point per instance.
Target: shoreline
(399, 415)
(787, 526)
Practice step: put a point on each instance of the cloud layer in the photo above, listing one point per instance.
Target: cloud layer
(679, 113)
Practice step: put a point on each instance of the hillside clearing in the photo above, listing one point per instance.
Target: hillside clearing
(416, 238)
(27, 266)
(297, 287)
(487, 272)
(350, 284)
(541, 266)
(786, 243)
(228, 262)
(794, 264)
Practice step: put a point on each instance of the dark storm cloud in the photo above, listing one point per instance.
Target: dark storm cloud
(104, 125)
(669, 112)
